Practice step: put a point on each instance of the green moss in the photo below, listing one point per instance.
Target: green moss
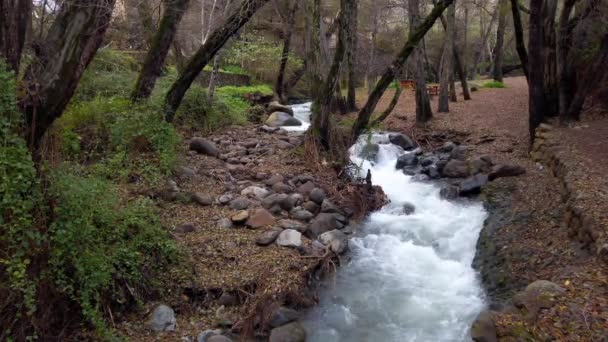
(493, 84)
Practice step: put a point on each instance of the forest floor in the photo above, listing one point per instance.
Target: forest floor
(531, 243)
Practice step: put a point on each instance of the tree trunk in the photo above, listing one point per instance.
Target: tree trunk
(51, 79)
(321, 123)
(424, 113)
(484, 41)
(351, 56)
(180, 59)
(390, 108)
(295, 78)
(279, 88)
(519, 36)
(14, 18)
(565, 70)
(537, 106)
(446, 63)
(205, 53)
(155, 59)
(389, 74)
(144, 10)
(313, 46)
(462, 75)
(500, 39)
(551, 83)
(369, 78)
(465, 49)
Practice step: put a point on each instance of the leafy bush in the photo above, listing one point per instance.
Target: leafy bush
(494, 84)
(234, 97)
(104, 249)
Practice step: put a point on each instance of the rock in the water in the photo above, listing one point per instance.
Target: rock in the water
(240, 203)
(317, 195)
(408, 208)
(402, 141)
(483, 329)
(290, 238)
(499, 171)
(451, 192)
(204, 146)
(268, 237)
(292, 332)
(275, 106)
(240, 217)
(302, 215)
(370, 152)
(255, 191)
(163, 319)
(260, 218)
(202, 199)
(408, 159)
(277, 119)
(336, 240)
(455, 169)
(324, 222)
(224, 223)
(473, 184)
(283, 316)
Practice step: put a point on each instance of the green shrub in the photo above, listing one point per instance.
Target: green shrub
(493, 84)
(104, 250)
(233, 97)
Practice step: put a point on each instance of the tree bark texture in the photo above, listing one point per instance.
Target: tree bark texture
(216, 60)
(565, 70)
(161, 43)
(551, 83)
(519, 36)
(537, 106)
(206, 52)
(446, 63)
(279, 87)
(351, 56)
(424, 113)
(389, 74)
(458, 65)
(314, 60)
(500, 40)
(69, 47)
(15, 16)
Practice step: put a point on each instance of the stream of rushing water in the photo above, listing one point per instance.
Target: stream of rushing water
(409, 277)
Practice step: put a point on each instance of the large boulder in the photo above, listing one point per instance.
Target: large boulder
(268, 237)
(163, 319)
(408, 159)
(473, 184)
(335, 240)
(260, 218)
(324, 222)
(290, 238)
(455, 169)
(402, 141)
(292, 332)
(317, 195)
(483, 329)
(275, 106)
(277, 119)
(204, 146)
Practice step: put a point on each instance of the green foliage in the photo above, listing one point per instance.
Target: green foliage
(234, 97)
(103, 248)
(493, 84)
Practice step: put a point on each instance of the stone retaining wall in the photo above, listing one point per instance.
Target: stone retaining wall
(581, 223)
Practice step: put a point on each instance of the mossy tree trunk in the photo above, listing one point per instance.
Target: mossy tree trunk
(351, 56)
(206, 52)
(389, 74)
(161, 43)
(290, 22)
(500, 40)
(15, 17)
(51, 79)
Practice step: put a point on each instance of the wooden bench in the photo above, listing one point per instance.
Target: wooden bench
(408, 84)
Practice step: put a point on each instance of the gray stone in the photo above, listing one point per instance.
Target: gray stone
(269, 129)
(329, 207)
(311, 206)
(204, 146)
(499, 171)
(480, 165)
(408, 159)
(408, 208)
(202, 199)
(274, 180)
(483, 329)
(324, 222)
(227, 299)
(275, 106)
(290, 238)
(185, 228)
(163, 319)
(219, 338)
(459, 153)
(240, 217)
(205, 335)
(282, 188)
(290, 202)
(185, 172)
(302, 215)
(292, 224)
(292, 332)
(284, 145)
(455, 169)
(224, 223)
(260, 218)
(278, 119)
(306, 188)
(473, 185)
(274, 200)
(402, 141)
(450, 192)
(240, 203)
(268, 237)
(283, 316)
(336, 240)
(447, 147)
(225, 199)
(317, 195)
(255, 191)
(370, 152)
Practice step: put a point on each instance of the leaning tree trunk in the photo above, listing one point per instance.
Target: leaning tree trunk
(500, 40)
(389, 74)
(519, 36)
(351, 55)
(458, 65)
(205, 53)
(446, 63)
(279, 87)
(537, 105)
(551, 83)
(14, 18)
(69, 47)
(424, 113)
(161, 43)
(390, 108)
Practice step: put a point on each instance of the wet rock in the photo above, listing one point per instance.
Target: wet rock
(455, 169)
(301, 214)
(163, 319)
(240, 217)
(282, 188)
(428, 160)
(204, 146)
(255, 191)
(290, 238)
(324, 222)
(292, 224)
(370, 152)
(431, 171)
(317, 195)
(260, 218)
(408, 208)
(283, 316)
(336, 240)
(275, 106)
(292, 332)
(408, 159)
(268, 237)
(499, 171)
(278, 119)
(451, 192)
(483, 329)
(202, 199)
(473, 185)
(402, 141)
(240, 203)
(224, 223)
(350, 229)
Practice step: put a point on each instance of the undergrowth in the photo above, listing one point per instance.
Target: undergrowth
(493, 84)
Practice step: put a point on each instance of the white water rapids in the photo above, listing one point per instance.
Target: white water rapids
(409, 277)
